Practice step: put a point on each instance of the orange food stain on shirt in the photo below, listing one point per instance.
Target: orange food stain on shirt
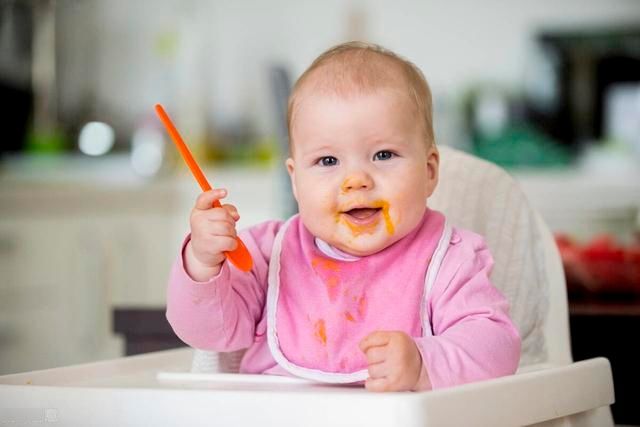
(320, 331)
(332, 283)
(325, 264)
(349, 316)
(362, 306)
(326, 270)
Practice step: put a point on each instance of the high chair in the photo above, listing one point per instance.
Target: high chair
(480, 196)
(547, 390)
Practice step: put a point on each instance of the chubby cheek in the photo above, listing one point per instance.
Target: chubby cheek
(317, 206)
(325, 202)
(311, 194)
(407, 208)
(395, 210)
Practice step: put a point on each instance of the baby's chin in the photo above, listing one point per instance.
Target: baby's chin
(362, 246)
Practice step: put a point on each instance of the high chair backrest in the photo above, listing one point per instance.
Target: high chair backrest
(482, 197)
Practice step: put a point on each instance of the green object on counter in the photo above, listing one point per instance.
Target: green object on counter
(260, 151)
(53, 142)
(521, 146)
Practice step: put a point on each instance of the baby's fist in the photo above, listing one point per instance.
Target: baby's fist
(393, 359)
(213, 232)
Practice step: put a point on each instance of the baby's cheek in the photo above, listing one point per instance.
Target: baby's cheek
(313, 204)
(330, 201)
(318, 200)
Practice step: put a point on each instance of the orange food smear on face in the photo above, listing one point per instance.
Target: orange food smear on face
(345, 185)
(320, 331)
(387, 217)
(349, 316)
(358, 229)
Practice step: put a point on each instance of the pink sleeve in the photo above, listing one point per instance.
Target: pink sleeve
(221, 314)
(474, 338)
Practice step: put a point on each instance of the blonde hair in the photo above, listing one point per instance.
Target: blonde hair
(364, 67)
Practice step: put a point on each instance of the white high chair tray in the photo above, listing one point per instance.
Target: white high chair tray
(157, 389)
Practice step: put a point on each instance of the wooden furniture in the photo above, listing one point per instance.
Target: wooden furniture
(608, 329)
(144, 329)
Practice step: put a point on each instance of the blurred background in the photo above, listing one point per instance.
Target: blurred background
(94, 201)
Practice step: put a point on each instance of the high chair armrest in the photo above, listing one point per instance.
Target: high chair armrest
(534, 395)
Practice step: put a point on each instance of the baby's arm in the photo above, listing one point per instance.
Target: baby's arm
(220, 313)
(474, 338)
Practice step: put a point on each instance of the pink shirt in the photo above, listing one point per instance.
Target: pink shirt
(474, 338)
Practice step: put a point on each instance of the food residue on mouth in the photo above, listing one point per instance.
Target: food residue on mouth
(358, 229)
(320, 331)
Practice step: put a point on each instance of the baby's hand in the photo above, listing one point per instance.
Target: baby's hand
(213, 232)
(394, 361)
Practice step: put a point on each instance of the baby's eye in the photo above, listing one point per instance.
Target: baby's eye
(327, 161)
(383, 155)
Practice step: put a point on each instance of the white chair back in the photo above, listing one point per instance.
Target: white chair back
(482, 197)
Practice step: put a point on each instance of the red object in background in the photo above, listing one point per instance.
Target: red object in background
(602, 266)
(605, 261)
(577, 278)
(633, 265)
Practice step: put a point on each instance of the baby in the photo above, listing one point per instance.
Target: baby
(366, 283)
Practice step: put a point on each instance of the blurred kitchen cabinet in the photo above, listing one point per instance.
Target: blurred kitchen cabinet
(36, 316)
(139, 253)
(67, 255)
(72, 250)
(53, 303)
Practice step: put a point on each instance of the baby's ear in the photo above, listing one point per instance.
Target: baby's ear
(433, 169)
(290, 163)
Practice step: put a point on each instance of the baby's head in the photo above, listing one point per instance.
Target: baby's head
(363, 159)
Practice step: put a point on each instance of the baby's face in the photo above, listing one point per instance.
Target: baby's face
(360, 169)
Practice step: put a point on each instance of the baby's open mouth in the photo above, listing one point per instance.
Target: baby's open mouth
(362, 213)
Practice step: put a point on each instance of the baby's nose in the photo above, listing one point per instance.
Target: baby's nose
(359, 181)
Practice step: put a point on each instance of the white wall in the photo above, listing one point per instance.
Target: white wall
(223, 48)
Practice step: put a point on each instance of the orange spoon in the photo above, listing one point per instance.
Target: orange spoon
(240, 257)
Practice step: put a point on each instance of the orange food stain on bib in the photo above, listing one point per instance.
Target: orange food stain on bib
(320, 331)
